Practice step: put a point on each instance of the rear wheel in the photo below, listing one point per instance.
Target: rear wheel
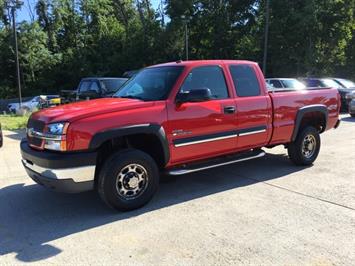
(128, 180)
(305, 149)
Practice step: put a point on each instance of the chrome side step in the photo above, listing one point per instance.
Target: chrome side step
(216, 163)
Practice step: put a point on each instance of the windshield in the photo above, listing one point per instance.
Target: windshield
(330, 83)
(293, 84)
(346, 83)
(112, 85)
(151, 84)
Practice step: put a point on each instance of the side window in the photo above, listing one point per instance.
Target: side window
(210, 77)
(245, 80)
(84, 86)
(95, 87)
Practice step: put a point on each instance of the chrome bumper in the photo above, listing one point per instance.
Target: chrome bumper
(68, 180)
(77, 174)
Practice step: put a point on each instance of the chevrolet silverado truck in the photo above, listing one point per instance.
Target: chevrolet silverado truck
(174, 118)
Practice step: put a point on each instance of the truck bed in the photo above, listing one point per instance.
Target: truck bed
(286, 104)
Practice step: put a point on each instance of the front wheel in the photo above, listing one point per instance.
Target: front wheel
(128, 180)
(305, 149)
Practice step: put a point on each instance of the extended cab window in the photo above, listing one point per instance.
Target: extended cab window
(210, 77)
(151, 84)
(245, 81)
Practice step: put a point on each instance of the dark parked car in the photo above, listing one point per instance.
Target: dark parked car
(93, 88)
(131, 73)
(330, 82)
(345, 83)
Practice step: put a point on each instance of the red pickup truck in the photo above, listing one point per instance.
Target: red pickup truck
(173, 118)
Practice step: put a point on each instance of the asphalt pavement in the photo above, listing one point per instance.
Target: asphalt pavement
(261, 212)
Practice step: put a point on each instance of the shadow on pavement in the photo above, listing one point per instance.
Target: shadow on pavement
(348, 119)
(32, 216)
(15, 134)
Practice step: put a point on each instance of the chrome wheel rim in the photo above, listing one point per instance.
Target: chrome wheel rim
(131, 181)
(309, 146)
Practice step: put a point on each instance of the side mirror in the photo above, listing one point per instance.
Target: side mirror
(197, 95)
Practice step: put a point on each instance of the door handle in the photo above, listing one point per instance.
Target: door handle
(229, 109)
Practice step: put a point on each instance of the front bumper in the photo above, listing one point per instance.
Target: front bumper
(62, 172)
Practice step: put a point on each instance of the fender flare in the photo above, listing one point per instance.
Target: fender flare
(153, 129)
(308, 109)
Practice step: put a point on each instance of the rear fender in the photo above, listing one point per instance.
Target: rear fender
(317, 108)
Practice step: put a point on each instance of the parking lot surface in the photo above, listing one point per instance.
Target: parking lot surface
(265, 211)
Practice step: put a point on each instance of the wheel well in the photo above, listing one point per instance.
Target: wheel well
(148, 143)
(315, 119)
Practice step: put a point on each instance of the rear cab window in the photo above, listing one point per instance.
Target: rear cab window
(245, 80)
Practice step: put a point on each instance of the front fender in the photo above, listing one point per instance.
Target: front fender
(151, 129)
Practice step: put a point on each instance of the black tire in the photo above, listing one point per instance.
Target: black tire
(111, 189)
(298, 151)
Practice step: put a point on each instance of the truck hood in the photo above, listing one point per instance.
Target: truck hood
(79, 110)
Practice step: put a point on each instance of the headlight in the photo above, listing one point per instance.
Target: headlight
(55, 137)
(56, 129)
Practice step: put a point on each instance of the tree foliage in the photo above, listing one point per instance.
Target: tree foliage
(70, 39)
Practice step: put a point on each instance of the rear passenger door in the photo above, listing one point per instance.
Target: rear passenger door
(253, 106)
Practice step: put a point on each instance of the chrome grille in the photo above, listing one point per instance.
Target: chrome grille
(37, 126)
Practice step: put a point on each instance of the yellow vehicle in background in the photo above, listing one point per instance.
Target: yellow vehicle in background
(49, 101)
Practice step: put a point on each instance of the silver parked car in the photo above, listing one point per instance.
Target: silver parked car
(285, 84)
(352, 106)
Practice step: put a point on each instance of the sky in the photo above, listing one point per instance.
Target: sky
(24, 13)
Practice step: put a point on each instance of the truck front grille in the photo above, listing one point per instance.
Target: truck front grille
(37, 126)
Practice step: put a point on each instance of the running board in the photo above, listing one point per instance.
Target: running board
(196, 167)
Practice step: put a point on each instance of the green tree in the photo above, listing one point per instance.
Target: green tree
(309, 37)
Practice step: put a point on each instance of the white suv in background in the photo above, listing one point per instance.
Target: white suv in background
(28, 106)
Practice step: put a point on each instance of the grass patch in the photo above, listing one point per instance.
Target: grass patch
(13, 122)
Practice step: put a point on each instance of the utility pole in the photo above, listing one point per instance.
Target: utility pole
(186, 20)
(12, 5)
(13, 12)
(186, 42)
(266, 38)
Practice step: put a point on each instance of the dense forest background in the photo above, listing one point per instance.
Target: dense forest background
(68, 39)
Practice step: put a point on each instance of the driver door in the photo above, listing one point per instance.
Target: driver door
(203, 129)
